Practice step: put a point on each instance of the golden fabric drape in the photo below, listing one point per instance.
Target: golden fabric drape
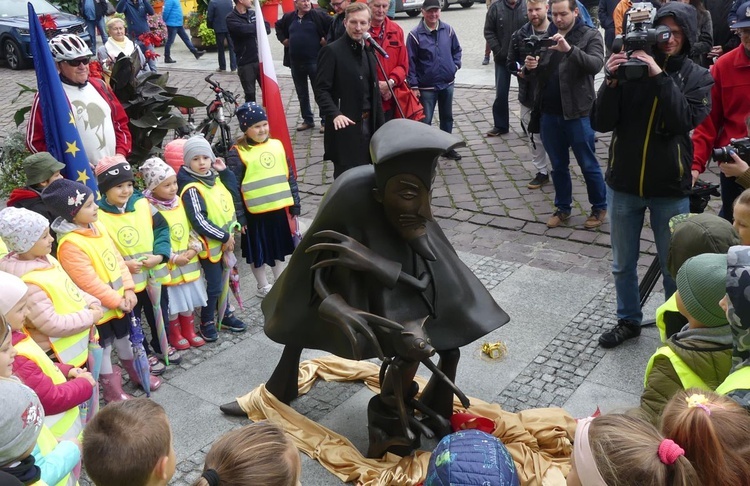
(539, 440)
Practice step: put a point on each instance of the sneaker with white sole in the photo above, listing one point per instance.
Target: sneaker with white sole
(263, 291)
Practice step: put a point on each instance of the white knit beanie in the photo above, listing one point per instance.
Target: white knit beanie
(155, 171)
(21, 228)
(12, 289)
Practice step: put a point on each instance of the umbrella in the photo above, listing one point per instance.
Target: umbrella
(229, 261)
(140, 360)
(234, 283)
(153, 287)
(296, 233)
(94, 363)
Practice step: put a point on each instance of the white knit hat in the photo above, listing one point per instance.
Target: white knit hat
(21, 228)
(21, 420)
(155, 171)
(12, 289)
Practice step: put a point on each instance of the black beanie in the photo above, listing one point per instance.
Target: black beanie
(64, 198)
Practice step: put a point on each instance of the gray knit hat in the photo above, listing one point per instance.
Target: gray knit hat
(21, 228)
(21, 420)
(40, 166)
(701, 283)
(194, 146)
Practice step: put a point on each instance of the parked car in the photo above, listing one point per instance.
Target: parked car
(445, 4)
(411, 7)
(14, 29)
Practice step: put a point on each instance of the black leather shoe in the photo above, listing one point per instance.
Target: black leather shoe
(169, 60)
(232, 409)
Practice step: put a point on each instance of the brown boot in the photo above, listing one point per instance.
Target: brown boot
(129, 365)
(176, 339)
(112, 387)
(187, 325)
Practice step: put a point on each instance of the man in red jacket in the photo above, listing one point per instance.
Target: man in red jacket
(100, 118)
(390, 36)
(730, 108)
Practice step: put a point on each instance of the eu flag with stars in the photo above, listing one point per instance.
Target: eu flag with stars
(60, 132)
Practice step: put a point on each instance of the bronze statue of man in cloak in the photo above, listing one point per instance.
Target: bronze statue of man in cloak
(376, 276)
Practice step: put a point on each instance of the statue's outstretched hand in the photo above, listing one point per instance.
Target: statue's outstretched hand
(355, 256)
(334, 309)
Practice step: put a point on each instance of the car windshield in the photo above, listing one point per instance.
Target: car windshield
(18, 8)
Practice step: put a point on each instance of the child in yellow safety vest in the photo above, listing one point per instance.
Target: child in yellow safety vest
(269, 189)
(28, 450)
(61, 315)
(700, 354)
(60, 387)
(141, 235)
(208, 193)
(737, 305)
(89, 256)
(186, 287)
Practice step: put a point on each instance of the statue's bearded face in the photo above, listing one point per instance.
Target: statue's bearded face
(406, 202)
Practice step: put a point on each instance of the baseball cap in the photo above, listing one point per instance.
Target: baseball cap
(430, 4)
(743, 16)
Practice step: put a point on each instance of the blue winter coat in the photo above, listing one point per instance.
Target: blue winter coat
(172, 13)
(135, 16)
(216, 18)
(433, 60)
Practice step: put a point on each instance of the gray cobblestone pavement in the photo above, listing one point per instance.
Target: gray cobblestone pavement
(554, 283)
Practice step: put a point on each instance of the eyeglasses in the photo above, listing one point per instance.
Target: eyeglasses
(78, 62)
(743, 32)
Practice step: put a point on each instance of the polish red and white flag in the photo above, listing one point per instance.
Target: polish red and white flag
(270, 87)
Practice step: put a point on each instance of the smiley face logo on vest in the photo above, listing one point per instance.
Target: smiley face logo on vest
(110, 262)
(224, 202)
(267, 160)
(177, 231)
(128, 236)
(72, 291)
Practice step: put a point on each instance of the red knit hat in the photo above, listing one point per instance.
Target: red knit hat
(173, 153)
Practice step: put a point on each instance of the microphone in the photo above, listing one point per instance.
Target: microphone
(366, 36)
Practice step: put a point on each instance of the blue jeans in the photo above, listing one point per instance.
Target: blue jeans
(559, 134)
(500, 111)
(220, 37)
(212, 273)
(626, 213)
(175, 31)
(91, 26)
(444, 100)
(730, 190)
(300, 75)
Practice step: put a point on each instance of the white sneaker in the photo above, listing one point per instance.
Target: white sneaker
(263, 291)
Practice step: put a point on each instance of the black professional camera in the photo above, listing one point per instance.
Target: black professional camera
(533, 45)
(739, 145)
(640, 35)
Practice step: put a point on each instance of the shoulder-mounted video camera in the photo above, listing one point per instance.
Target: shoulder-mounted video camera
(533, 45)
(740, 145)
(640, 35)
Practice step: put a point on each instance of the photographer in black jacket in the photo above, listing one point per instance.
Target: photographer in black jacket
(651, 154)
(536, 11)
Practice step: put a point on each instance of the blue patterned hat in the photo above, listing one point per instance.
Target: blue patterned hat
(249, 114)
(471, 457)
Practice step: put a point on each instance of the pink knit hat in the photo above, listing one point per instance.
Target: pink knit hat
(112, 171)
(173, 153)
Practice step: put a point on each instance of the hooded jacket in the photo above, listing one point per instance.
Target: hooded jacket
(651, 154)
(501, 22)
(738, 285)
(706, 351)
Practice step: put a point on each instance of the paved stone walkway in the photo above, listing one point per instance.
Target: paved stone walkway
(554, 283)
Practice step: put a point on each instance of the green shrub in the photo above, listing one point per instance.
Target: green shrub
(12, 175)
(208, 36)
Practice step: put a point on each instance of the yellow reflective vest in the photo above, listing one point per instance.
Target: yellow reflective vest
(737, 380)
(133, 235)
(688, 377)
(179, 236)
(65, 425)
(66, 298)
(265, 186)
(220, 209)
(101, 252)
(47, 443)
(3, 248)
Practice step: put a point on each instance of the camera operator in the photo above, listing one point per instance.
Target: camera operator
(731, 105)
(565, 76)
(530, 35)
(650, 154)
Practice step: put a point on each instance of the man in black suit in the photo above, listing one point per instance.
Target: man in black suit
(346, 90)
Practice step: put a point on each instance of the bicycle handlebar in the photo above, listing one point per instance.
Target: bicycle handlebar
(209, 81)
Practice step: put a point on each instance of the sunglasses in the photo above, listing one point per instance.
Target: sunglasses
(78, 62)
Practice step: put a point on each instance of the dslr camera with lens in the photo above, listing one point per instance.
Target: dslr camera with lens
(740, 145)
(533, 45)
(640, 35)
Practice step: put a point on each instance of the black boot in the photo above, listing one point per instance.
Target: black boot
(169, 60)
